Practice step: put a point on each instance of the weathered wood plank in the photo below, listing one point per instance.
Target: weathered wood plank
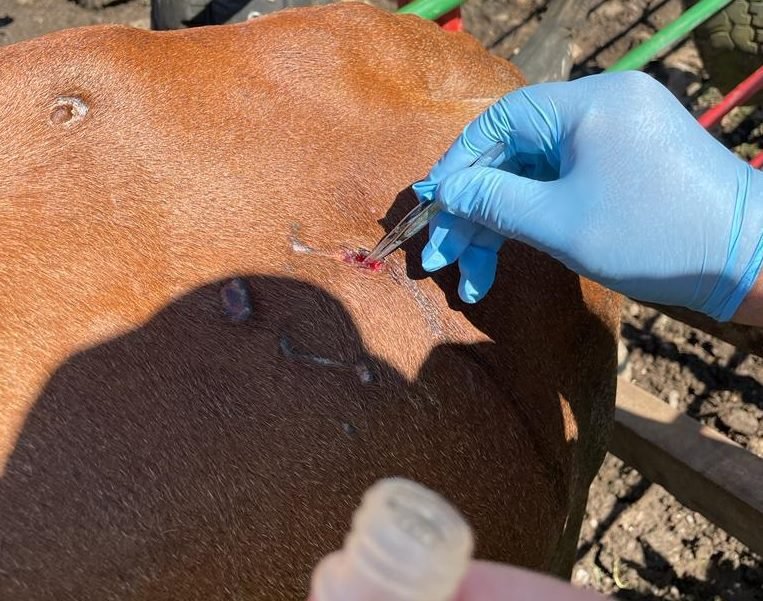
(703, 469)
(747, 339)
(547, 55)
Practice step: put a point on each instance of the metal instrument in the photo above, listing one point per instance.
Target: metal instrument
(421, 215)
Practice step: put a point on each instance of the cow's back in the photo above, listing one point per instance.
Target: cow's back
(197, 381)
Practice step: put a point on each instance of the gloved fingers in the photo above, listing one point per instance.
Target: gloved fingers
(449, 236)
(425, 190)
(487, 238)
(527, 121)
(513, 206)
(534, 167)
(478, 264)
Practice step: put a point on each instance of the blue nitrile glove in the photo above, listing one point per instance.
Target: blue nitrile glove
(613, 177)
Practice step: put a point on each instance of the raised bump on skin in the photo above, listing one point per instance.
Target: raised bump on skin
(68, 111)
(236, 298)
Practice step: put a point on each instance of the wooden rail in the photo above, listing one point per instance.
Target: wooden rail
(747, 339)
(703, 469)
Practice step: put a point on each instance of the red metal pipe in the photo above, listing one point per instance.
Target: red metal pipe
(743, 92)
(452, 21)
(449, 22)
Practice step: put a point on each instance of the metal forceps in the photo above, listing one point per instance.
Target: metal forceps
(422, 214)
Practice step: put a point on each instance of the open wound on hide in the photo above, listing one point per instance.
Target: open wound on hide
(357, 258)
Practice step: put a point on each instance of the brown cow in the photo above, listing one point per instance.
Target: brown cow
(197, 381)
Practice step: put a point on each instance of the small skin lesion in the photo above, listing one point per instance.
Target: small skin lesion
(357, 258)
(67, 111)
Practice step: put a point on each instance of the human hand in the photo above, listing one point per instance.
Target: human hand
(487, 581)
(610, 175)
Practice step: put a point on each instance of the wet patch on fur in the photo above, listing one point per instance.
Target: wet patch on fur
(296, 245)
(288, 351)
(362, 369)
(67, 111)
(428, 309)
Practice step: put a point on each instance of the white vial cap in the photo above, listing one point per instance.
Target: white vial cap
(407, 544)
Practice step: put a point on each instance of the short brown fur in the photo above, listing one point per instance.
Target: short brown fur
(152, 448)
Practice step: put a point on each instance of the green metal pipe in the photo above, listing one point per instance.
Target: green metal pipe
(635, 59)
(669, 35)
(430, 9)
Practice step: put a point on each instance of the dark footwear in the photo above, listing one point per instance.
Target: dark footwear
(177, 14)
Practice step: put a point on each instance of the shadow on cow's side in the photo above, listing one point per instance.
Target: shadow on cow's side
(199, 457)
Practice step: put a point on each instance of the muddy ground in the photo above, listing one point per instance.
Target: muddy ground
(637, 542)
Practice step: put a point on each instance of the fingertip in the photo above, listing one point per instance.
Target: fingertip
(432, 259)
(425, 190)
(477, 266)
(449, 236)
(468, 293)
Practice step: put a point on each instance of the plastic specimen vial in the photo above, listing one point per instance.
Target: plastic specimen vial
(407, 543)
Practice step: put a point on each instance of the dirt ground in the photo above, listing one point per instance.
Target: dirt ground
(637, 542)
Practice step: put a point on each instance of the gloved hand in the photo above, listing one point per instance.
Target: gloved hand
(488, 581)
(613, 177)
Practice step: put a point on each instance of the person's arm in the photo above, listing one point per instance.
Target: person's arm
(750, 312)
(610, 175)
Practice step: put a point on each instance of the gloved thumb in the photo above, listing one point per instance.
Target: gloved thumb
(514, 206)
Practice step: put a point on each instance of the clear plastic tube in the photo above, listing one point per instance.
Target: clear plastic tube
(407, 544)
